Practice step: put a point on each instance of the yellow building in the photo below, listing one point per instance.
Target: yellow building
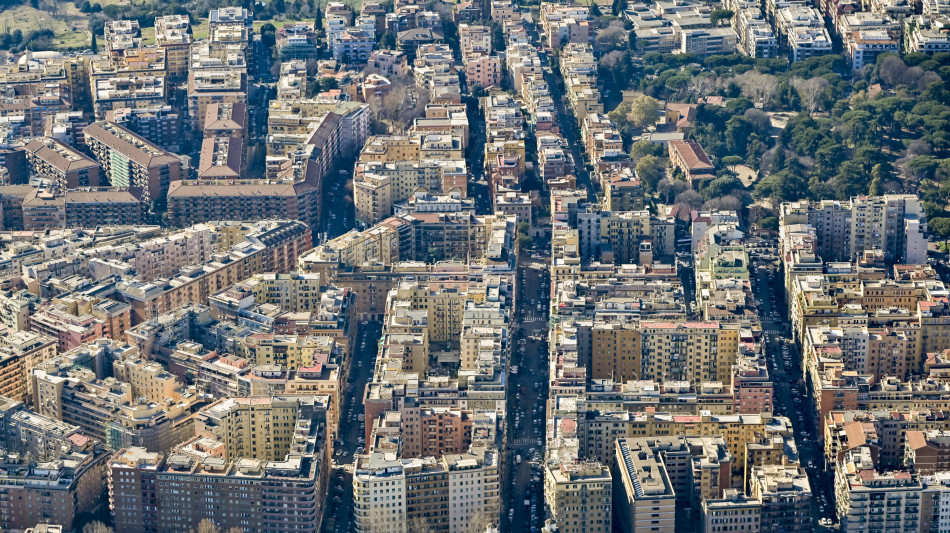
(262, 428)
(616, 352)
(689, 351)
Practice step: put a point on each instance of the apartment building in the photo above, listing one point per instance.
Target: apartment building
(297, 41)
(153, 492)
(785, 495)
(230, 24)
(160, 125)
(562, 24)
(64, 165)
(21, 351)
(43, 209)
(864, 46)
(173, 35)
(801, 30)
(70, 330)
(434, 431)
(453, 493)
(127, 90)
(733, 512)
(623, 191)
(579, 496)
(213, 86)
(263, 428)
(130, 161)
(268, 247)
(867, 499)
(95, 207)
(690, 158)
(121, 35)
(707, 42)
(221, 158)
(192, 202)
(51, 474)
(644, 496)
(115, 412)
(927, 452)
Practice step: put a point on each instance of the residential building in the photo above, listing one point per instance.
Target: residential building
(579, 496)
(130, 161)
(153, 492)
(65, 166)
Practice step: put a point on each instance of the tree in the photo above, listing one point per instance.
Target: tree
(720, 187)
(732, 161)
(387, 41)
(268, 35)
(610, 38)
(811, 92)
(618, 7)
(644, 111)
(651, 169)
(689, 198)
(757, 86)
(96, 527)
(615, 69)
(95, 45)
(644, 148)
(940, 226)
(208, 526)
(851, 180)
(769, 223)
(525, 242)
(782, 186)
(717, 16)
(497, 38)
(595, 9)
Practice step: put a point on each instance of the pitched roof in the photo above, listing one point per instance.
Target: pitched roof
(129, 144)
(60, 155)
(692, 154)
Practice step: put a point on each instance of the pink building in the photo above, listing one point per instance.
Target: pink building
(752, 389)
(483, 70)
(374, 86)
(389, 62)
(70, 331)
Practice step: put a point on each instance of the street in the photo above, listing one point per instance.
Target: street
(350, 437)
(527, 393)
(790, 397)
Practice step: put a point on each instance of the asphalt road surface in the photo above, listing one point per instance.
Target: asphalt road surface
(790, 397)
(338, 517)
(527, 395)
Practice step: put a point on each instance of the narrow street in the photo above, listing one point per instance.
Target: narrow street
(527, 392)
(349, 440)
(790, 396)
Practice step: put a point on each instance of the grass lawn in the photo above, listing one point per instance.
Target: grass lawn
(70, 26)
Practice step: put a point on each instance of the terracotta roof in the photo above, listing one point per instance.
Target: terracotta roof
(60, 155)
(916, 440)
(182, 189)
(692, 154)
(128, 195)
(129, 144)
(221, 157)
(225, 116)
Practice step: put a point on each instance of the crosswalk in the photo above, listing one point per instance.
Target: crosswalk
(525, 442)
(534, 319)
